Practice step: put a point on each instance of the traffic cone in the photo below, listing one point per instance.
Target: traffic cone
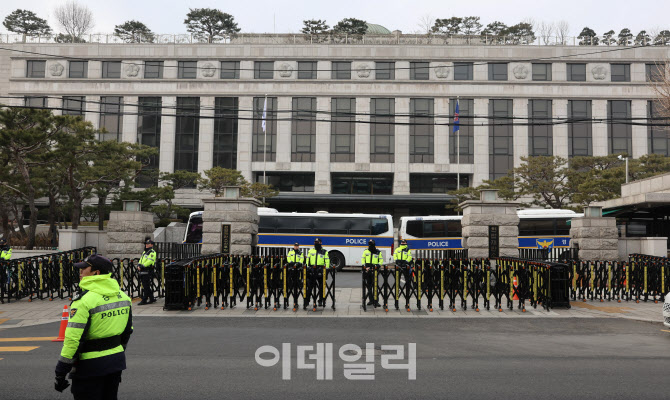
(516, 286)
(65, 317)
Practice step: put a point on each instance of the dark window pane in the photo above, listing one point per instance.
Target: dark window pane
(360, 226)
(619, 130)
(415, 228)
(384, 70)
(462, 71)
(187, 69)
(73, 105)
(187, 133)
(303, 129)
(658, 135)
(295, 224)
(542, 72)
(153, 69)
(343, 183)
(111, 118)
(264, 69)
(540, 131)
(620, 72)
(655, 72)
(36, 102)
(464, 137)
(342, 130)
(36, 68)
(540, 227)
(230, 70)
(421, 131)
(436, 183)
(576, 72)
(288, 181)
(419, 71)
(379, 226)
(579, 131)
(111, 69)
(332, 225)
(148, 133)
(497, 71)
(225, 132)
(501, 150)
(382, 130)
(306, 69)
(341, 70)
(78, 69)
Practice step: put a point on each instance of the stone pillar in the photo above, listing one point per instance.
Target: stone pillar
(481, 138)
(479, 215)
(639, 132)
(596, 237)
(322, 175)
(520, 132)
(126, 231)
(242, 216)
(363, 129)
(245, 137)
(130, 119)
(168, 134)
(206, 136)
(560, 110)
(401, 175)
(600, 141)
(442, 132)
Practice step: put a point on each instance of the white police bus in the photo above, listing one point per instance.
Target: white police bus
(538, 229)
(345, 236)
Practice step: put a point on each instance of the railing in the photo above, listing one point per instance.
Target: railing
(177, 251)
(553, 254)
(336, 39)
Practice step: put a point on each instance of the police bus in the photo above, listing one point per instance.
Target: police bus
(345, 236)
(538, 229)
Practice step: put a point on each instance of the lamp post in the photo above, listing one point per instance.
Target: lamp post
(620, 157)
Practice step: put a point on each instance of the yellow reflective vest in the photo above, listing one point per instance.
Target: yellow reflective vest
(99, 328)
(6, 254)
(318, 258)
(372, 258)
(295, 257)
(402, 253)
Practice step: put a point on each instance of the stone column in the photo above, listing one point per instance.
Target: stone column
(206, 135)
(362, 146)
(126, 231)
(168, 129)
(322, 176)
(596, 237)
(130, 118)
(401, 165)
(599, 111)
(481, 138)
(442, 132)
(639, 132)
(479, 215)
(559, 109)
(92, 109)
(520, 132)
(284, 130)
(245, 137)
(242, 216)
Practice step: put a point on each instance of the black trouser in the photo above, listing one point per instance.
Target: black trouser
(97, 387)
(147, 293)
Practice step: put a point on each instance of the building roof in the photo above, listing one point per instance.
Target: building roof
(374, 29)
(649, 192)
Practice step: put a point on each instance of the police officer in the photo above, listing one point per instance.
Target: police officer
(97, 333)
(5, 256)
(146, 268)
(5, 250)
(372, 258)
(317, 257)
(402, 254)
(295, 255)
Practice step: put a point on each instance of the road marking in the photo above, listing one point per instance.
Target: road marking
(18, 348)
(3, 320)
(28, 339)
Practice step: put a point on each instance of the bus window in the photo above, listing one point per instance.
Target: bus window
(562, 227)
(536, 227)
(194, 234)
(415, 228)
(434, 229)
(359, 226)
(379, 226)
(334, 226)
(267, 224)
(294, 225)
(454, 229)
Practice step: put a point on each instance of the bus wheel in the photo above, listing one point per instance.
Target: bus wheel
(336, 260)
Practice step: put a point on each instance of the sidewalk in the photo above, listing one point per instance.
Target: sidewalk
(348, 305)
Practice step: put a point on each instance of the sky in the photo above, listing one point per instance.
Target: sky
(286, 16)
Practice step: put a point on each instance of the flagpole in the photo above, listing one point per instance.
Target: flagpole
(458, 149)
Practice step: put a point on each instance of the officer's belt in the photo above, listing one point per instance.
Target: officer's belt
(100, 344)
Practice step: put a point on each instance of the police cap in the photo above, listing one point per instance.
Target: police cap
(371, 242)
(317, 240)
(97, 263)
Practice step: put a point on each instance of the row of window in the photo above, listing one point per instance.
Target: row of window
(451, 228)
(382, 130)
(327, 224)
(463, 71)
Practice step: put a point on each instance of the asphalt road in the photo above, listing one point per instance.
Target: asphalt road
(488, 358)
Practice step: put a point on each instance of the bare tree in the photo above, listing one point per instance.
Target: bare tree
(426, 23)
(660, 83)
(562, 28)
(74, 18)
(545, 32)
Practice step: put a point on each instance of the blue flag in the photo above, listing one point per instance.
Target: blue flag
(457, 123)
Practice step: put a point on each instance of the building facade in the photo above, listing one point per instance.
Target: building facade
(349, 127)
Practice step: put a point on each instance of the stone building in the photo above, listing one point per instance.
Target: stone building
(353, 124)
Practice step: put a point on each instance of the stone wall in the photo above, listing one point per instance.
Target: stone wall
(240, 213)
(597, 238)
(126, 231)
(478, 215)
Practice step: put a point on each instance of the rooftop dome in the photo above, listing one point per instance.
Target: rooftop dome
(374, 29)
